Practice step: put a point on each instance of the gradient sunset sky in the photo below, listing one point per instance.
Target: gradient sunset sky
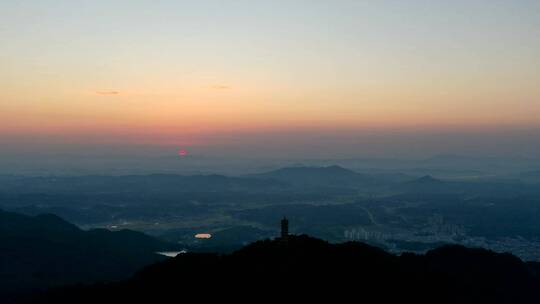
(253, 75)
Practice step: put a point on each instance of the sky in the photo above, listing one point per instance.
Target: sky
(270, 78)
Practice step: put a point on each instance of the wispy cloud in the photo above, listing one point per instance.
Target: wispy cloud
(220, 87)
(107, 92)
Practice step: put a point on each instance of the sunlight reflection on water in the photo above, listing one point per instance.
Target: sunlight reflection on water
(203, 235)
(171, 254)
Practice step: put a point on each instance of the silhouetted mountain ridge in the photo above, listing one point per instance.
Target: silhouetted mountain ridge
(326, 176)
(308, 269)
(137, 183)
(427, 179)
(44, 250)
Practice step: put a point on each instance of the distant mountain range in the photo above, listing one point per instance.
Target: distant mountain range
(427, 179)
(330, 176)
(44, 251)
(530, 176)
(153, 183)
(301, 268)
(289, 179)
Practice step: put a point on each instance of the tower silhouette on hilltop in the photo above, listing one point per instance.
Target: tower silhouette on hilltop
(284, 228)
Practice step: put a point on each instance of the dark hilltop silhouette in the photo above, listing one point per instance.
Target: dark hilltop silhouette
(303, 268)
(42, 251)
